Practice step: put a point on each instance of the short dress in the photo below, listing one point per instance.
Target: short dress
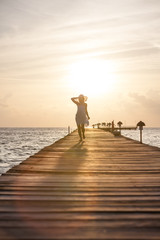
(81, 117)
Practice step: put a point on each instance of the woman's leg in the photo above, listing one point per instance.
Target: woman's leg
(83, 130)
(79, 132)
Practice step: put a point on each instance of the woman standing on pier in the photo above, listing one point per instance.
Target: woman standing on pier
(82, 116)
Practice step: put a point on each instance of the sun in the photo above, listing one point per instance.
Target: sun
(92, 77)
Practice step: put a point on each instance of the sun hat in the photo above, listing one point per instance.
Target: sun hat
(85, 97)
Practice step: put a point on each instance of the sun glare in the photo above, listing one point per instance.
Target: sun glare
(92, 77)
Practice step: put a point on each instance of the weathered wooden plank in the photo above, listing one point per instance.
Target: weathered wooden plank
(65, 198)
(52, 223)
(83, 216)
(99, 168)
(42, 207)
(77, 233)
(77, 193)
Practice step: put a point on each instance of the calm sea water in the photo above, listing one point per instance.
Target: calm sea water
(150, 136)
(17, 144)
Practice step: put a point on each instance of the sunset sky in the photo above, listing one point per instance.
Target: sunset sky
(52, 50)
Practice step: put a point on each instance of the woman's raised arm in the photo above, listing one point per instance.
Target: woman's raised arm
(74, 99)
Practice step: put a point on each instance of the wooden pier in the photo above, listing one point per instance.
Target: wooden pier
(117, 128)
(106, 187)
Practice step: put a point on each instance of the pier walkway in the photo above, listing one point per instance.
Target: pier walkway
(103, 188)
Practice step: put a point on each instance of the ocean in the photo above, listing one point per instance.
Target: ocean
(17, 144)
(150, 136)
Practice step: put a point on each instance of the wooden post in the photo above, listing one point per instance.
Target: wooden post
(69, 130)
(119, 125)
(140, 135)
(120, 129)
(113, 126)
(140, 125)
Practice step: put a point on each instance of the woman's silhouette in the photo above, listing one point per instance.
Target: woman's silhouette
(82, 116)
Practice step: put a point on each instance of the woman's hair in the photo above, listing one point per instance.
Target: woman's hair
(82, 98)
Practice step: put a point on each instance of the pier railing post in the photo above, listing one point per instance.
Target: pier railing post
(113, 126)
(140, 135)
(119, 125)
(140, 125)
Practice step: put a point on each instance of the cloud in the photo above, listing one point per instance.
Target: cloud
(149, 103)
(4, 100)
(3, 105)
(40, 39)
(41, 32)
